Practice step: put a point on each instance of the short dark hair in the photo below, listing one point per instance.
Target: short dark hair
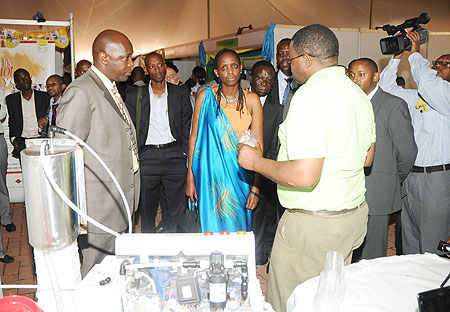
(152, 54)
(200, 74)
(263, 63)
(57, 77)
(288, 40)
(18, 71)
(371, 63)
(173, 66)
(317, 41)
(400, 81)
(138, 70)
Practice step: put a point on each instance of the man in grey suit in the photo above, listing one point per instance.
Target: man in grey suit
(395, 153)
(92, 109)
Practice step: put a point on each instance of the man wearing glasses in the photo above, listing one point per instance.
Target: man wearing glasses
(326, 139)
(426, 208)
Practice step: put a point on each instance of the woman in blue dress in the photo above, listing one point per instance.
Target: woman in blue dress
(225, 192)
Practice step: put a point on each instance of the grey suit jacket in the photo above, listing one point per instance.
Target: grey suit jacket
(88, 110)
(395, 153)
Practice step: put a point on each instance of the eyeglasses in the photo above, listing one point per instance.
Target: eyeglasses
(439, 63)
(291, 59)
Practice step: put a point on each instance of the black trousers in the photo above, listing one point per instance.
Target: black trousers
(265, 218)
(164, 168)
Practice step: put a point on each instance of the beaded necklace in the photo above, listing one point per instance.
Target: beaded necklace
(227, 100)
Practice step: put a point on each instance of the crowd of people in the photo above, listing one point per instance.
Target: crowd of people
(338, 150)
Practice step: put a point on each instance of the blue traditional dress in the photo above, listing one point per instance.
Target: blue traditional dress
(222, 185)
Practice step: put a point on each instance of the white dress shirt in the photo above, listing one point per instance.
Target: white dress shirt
(30, 124)
(263, 100)
(372, 93)
(159, 128)
(282, 83)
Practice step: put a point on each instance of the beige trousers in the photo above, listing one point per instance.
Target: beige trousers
(301, 244)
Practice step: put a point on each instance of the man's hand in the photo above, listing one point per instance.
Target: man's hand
(415, 38)
(399, 56)
(42, 122)
(248, 156)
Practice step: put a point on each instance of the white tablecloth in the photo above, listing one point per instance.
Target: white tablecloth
(383, 284)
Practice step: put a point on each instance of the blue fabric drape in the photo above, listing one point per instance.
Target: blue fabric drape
(222, 185)
(202, 54)
(267, 49)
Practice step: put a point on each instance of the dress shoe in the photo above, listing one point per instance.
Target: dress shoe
(7, 259)
(10, 227)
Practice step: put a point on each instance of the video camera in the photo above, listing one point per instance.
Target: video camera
(399, 43)
(444, 247)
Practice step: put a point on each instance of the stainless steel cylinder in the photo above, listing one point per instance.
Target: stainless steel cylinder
(52, 224)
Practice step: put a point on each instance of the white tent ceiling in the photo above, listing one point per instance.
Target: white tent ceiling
(153, 24)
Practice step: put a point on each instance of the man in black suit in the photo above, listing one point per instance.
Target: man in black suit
(395, 153)
(282, 91)
(164, 124)
(262, 81)
(27, 111)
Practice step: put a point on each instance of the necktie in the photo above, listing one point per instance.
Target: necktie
(54, 108)
(121, 106)
(286, 90)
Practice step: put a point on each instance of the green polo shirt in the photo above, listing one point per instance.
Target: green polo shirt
(329, 117)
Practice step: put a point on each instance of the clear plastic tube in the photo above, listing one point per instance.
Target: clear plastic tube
(54, 281)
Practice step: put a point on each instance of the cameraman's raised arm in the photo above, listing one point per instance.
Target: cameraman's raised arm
(387, 82)
(433, 83)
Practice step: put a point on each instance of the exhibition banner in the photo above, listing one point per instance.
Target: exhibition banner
(38, 58)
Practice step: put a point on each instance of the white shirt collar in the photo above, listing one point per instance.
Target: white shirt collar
(372, 93)
(139, 83)
(106, 81)
(151, 90)
(263, 100)
(282, 76)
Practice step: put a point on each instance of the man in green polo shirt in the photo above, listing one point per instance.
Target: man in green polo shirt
(326, 140)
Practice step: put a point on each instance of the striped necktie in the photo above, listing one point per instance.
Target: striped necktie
(121, 106)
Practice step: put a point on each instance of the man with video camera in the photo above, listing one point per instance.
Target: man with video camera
(426, 210)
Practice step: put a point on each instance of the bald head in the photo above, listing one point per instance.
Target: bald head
(82, 67)
(112, 52)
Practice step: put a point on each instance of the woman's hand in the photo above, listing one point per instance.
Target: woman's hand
(253, 198)
(191, 192)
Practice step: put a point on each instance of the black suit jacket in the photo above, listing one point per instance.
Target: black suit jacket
(14, 103)
(273, 117)
(179, 109)
(275, 113)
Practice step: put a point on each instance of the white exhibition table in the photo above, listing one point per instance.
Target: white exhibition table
(383, 284)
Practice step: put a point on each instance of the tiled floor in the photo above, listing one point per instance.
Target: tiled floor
(22, 270)
(16, 245)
